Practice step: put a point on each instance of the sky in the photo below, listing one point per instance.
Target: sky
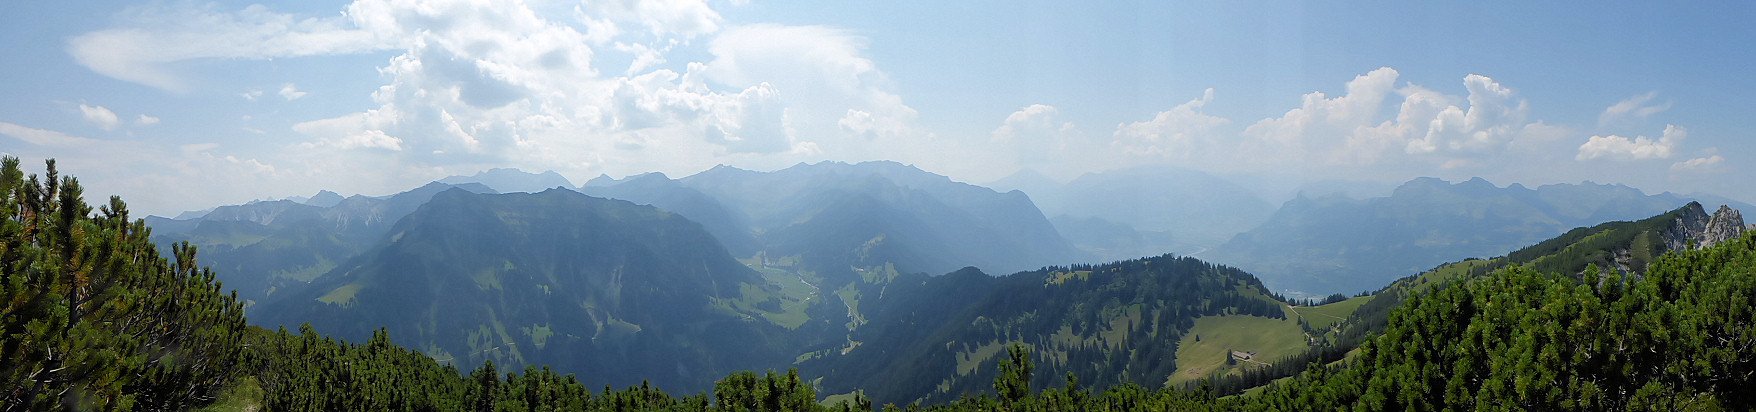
(178, 105)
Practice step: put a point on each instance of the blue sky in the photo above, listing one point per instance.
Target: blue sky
(185, 105)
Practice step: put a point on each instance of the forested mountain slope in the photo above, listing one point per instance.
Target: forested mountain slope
(936, 338)
(613, 291)
(1319, 246)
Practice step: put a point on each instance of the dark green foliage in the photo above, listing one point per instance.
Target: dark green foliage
(1597, 245)
(91, 317)
(1013, 384)
(1129, 317)
(1680, 339)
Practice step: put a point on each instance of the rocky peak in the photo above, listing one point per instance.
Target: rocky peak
(1726, 224)
(1695, 226)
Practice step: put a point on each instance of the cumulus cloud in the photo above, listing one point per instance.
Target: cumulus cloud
(99, 116)
(755, 122)
(1035, 135)
(1615, 147)
(1321, 124)
(290, 93)
(508, 82)
(645, 57)
(1631, 109)
(1491, 121)
(1175, 133)
(145, 120)
(1350, 130)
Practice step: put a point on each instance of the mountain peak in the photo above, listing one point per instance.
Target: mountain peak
(325, 198)
(508, 180)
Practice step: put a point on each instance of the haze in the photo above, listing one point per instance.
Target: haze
(183, 105)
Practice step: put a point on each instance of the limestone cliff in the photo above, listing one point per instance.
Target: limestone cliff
(1726, 224)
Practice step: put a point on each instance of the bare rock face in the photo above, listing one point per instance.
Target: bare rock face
(1726, 224)
(1687, 229)
(1695, 227)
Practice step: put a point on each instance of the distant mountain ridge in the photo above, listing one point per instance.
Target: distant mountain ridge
(1318, 246)
(261, 247)
(1171, 209)
(508, 180)
(841, 215)
(612, 290)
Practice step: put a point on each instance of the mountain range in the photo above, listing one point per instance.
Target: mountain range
(876, 277)
(559, 278)
(261, 248)
(1335, 244)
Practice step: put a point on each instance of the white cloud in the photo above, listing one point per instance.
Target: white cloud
(859, 123)
(754, 122)
(1036, 136)
(369, 139)
(1426, 128)
(145, 120)
(291, 93)
(1177, 133)
(1321, 126)
(498, 82)
(152, 37)
(99, 116)
(1631, 109)
(1492, 120)
(46, 138)
(832, 89)
(1614, 147)
(356, 131)
(1712, 163)
(686, 18)
(644, 57)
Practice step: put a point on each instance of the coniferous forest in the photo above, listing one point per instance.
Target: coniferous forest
(95, 317)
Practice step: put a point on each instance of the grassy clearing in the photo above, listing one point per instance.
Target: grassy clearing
(1442, 274)
(851, 298)
(837, 399)
(342, 296)
(794, 290)
(1272, 339)
(968, 361)
(1322, 317)
(1062, 277)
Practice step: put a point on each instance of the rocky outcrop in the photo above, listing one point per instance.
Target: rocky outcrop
(1726, 224)
(1687, 229)
(1694, 227)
